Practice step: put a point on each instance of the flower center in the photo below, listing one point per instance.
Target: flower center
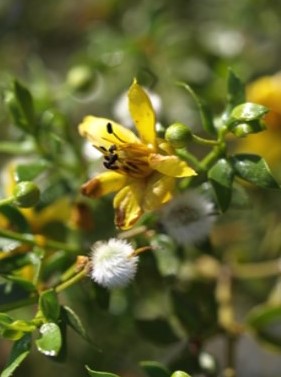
(126, 158)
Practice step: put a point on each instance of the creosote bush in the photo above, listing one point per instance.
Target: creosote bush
(157, 253)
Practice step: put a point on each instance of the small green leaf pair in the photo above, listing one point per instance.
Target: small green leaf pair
(250, 168)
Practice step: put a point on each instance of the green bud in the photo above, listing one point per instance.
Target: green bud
(180, 373)
(80, 78)
(26, 194)
(178, 135)
(242, 130)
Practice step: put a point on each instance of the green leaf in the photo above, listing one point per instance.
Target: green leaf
(25, 102)
(74, 321)
(21, 325)
(13, 106)
(155, 369)
(235, 90)
(5, 319)
(248, 111)
(50, 341)
(9, 264)
(205, 113)
(244, 129)
(254, 169)
(265, 321)
(49, 305)
(95, 373)
(19, 352)
(221, 177)
(26, 285)
(15, 216)
(27, 172)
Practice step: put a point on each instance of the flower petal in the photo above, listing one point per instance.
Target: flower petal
(127, 207)
(170, 165)
(103, 184)
(158, 191)
(142, 113)
(103, 132)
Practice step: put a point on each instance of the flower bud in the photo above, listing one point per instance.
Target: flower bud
(26, 194)
(180, 373)
(242, 130)
(80, 78)
(178, 135)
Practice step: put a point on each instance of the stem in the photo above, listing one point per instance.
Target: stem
(6, 201)
(186, 156)
(206, 142)
(256, 270)
(210, 158)
(216, 152)
(230, 356)
(66, 284)
(33, 299)
(37, 241)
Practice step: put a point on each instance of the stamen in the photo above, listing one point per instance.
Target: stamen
(108, 165)
(109, 129)
(112, 148)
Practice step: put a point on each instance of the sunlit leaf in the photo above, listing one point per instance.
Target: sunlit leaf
(253, 169)
(50, 341)
(248, 111)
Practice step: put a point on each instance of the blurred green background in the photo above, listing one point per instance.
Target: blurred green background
(78, 58)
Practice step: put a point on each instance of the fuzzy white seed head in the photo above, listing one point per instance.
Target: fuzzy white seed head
(188, 218)
(113, 263)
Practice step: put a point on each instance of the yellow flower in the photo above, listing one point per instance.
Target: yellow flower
(266, 91)
(142, 169)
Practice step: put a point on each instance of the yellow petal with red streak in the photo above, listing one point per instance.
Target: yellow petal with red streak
(127, 205)
(103, 184)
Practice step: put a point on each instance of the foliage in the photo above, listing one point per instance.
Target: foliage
(215, 275)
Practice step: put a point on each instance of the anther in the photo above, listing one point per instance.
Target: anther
(112, 148)
(109, 128)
